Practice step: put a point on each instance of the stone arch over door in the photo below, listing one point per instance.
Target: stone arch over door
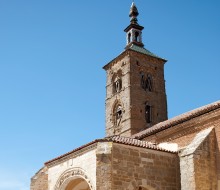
(74, 179)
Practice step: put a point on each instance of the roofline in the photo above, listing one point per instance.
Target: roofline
(105, 67)
(137, 26)
(177, 120)
(119, 140)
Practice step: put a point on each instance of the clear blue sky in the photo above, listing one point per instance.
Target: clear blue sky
(52, 86)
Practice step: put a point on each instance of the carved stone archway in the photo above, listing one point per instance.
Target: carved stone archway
(72, 178)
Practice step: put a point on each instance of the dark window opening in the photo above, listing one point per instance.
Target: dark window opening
(136, 36)
(148, 113)
(118, 112)
(146, 82)
(117, 85)
(129, 37)
(118, 115)
(149, 83)
(142, 81)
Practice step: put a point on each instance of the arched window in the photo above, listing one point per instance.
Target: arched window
(136, 36)
(142, 80)
(148, 83)
(117, 85)
(129, 37)
(148, 113)
(117, 114)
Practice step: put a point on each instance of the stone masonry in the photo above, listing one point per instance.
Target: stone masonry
(134, 168)
(129, 66)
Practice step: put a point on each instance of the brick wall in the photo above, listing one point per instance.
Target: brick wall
(40, 180)
(135, 168)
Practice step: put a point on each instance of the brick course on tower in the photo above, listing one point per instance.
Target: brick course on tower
(142, 150)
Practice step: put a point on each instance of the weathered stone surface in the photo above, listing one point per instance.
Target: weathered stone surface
(40, 180)
(133, 168)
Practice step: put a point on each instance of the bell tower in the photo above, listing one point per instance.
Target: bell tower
(135, 86)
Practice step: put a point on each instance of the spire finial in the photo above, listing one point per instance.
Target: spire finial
(133, 13)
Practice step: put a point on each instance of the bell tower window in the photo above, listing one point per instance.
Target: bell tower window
(137, 36)
(146, 82)
(129, 37)
(117, 85)
(117, 114)
(149, 83)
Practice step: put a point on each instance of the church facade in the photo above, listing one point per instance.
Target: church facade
(143, 149)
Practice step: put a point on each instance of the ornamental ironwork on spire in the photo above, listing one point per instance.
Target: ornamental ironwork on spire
(134, 30)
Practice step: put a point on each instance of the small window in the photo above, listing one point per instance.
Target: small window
(146, 82)
(117, 85)
(142, 80)
(148, 113)
(129, 37)
(136, 36)
(149, 83)
(118, 114)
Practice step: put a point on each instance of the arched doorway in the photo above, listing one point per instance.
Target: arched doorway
(78, 184)
(74, 179)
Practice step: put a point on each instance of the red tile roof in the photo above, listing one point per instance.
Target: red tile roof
(120, 140)
(177, 120)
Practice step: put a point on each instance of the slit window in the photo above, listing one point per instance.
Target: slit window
(148, 113)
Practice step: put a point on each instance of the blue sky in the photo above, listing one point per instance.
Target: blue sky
(52, 86)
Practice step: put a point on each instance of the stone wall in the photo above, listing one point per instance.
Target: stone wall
(40, 180)
(198, 162)
(205, 164)
(104, 166)
(130, 66)
(82, 163)
(138, 168)
(184, 133)
(156, 98)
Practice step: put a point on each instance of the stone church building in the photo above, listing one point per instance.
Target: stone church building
(143, 149)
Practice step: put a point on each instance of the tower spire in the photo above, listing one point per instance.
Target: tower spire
(134, 30)
(133, 13)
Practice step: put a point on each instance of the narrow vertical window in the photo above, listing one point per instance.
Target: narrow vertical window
(129, 37)
(142, 80)
(117, 84)
(117, 114)
(136, 36)
(148, 83)
(148, 114)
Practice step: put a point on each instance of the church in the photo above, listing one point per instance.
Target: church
(143, 149)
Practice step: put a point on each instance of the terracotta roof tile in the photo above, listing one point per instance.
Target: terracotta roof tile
(120, 140)
(177, 120)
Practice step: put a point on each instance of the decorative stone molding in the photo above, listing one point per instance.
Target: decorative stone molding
(70, 175)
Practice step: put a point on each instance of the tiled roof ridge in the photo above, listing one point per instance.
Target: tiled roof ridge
(117, 139)
(135, 142)
(177, 120)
